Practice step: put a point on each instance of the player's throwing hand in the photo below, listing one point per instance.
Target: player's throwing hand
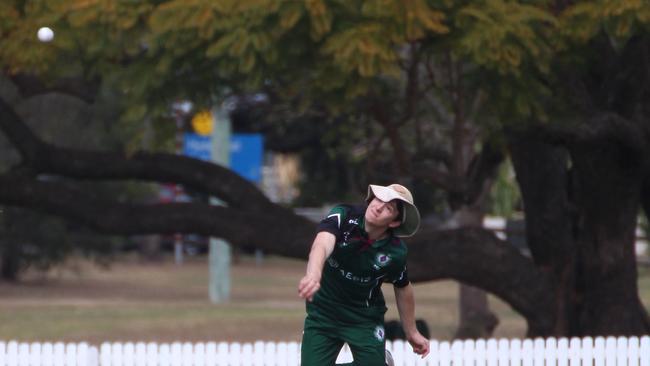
(420, 344)
(308, 286)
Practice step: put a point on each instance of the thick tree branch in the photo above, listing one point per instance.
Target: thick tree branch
(477, 258)
(287, 235)
(43, 158)
(599, 128)
(470, 256)
(28, 145)
(30, 85)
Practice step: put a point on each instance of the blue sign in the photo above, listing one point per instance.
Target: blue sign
(246, 154)
(197, 146)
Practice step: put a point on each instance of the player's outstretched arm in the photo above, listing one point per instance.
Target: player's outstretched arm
(321, 249)
(406, 308)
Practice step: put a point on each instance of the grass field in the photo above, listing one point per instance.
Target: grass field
(163, 302)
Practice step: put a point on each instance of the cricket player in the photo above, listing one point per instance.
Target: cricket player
(356, 249)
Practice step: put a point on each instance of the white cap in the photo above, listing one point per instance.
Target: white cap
(410, 214)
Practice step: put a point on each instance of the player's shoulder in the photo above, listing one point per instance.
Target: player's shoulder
(346, 210)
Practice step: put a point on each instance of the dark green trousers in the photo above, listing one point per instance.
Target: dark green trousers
(322, 342)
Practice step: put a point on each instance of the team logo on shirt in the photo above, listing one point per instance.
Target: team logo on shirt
(381, 260)
(379, 333)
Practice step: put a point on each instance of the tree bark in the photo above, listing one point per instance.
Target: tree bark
(476, 320)
(608, 189)
(581, 209)
(541, 171)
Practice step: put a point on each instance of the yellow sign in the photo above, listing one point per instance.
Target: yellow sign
(202, 123)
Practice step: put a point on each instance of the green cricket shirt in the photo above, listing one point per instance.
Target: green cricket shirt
(350, 289)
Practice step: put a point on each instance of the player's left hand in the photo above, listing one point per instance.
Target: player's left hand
(419, 343)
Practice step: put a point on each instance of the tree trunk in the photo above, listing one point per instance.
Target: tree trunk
(541, 171)
(608, 187)
(9, 262)
(9, 254)
(581, 212)
(475, 319)
(149, 248)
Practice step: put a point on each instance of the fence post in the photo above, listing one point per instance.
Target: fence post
(398, 351)
(35, 354)
(445, 356)
(538, 352)
(59, 354)
(199, 354)
(644, 351)
(247, 354)
(176, 354)
(140, 354)
(621, 351)
(480, 352)
(270, 354)
(105, 354)
(128, 354)
(468, 352)
(211, 354)
(164, 357)
(515, 352)
(117, 355)
(258, 353)
(492, 352)
(434, 353)
(587, 351)
(12, 354)
(23, 354)
(633, 351)
(187, 354)
(527, 352)
(235, 354)
(282, 357)
(610, 351)
(503, 352)
(562, 352)
(599, 351)
(574, 351)
(82, 354)
(93, 356)
(223, 354)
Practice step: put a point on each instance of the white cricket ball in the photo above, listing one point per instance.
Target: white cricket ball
(45, 34)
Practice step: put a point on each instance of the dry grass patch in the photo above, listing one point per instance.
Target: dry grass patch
(163, 302)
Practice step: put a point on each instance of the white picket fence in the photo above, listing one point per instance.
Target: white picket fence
(600, 351)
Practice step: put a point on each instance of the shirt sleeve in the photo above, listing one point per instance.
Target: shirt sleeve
(402, 279)
(332, 222)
